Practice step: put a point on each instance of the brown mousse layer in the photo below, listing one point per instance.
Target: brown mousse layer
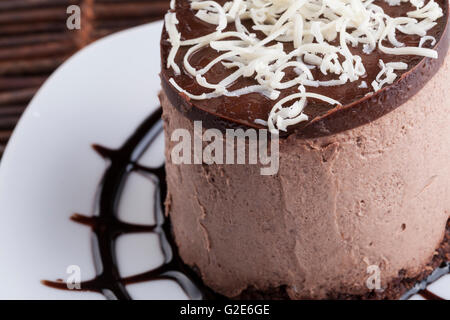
(376, 195)
(394, 290)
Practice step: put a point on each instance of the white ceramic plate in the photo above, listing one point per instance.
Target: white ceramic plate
(49, 171)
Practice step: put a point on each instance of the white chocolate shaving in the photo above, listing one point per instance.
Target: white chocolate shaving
(363, 85)
(261, 122)
(425, 39)
(387, 70)
(171, 21)
(321, 33)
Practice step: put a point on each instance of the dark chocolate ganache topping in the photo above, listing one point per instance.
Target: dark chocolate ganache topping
(359, 105)
(107, 227)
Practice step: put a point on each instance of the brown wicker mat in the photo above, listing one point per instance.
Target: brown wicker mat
(35, 40)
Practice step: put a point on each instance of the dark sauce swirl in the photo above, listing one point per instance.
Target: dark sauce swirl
(106, 226)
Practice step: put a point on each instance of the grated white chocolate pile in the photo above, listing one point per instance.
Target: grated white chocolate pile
(320, 32)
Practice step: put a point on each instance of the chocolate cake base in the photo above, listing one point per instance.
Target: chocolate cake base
(394, 290)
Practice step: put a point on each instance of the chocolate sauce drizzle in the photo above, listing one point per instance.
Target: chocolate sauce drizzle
(107, 227)
(428, 295)
(421, 287)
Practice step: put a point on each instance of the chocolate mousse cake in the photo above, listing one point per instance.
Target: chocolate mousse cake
(356, 96)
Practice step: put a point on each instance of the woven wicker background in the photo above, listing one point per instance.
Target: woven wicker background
(34, 41)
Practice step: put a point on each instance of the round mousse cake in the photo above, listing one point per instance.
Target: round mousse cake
(355, 95)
